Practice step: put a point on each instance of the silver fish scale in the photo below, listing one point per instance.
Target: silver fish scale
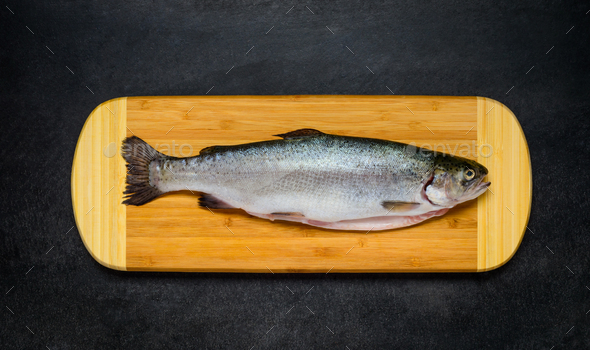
(325, 177)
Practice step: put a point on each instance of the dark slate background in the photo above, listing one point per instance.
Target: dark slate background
(50, 284)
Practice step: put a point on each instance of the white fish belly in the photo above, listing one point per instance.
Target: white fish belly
(318, 195)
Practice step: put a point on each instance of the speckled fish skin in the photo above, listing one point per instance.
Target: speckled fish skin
(324, 180)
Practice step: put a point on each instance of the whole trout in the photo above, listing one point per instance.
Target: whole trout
(323, 180)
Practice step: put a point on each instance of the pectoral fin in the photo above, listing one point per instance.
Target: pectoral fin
(295, 215)
(398, 207)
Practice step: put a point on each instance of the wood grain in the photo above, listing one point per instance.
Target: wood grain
(98, 181)
(173, 233)
(504, 213)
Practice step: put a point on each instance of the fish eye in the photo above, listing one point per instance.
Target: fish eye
(469, 174)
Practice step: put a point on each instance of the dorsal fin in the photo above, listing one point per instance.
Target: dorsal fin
(300, 133)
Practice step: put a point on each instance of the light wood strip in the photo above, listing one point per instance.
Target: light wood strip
(98, 180)
(503, 213)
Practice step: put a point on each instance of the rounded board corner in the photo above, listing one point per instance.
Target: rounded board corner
(503, 214)
(97, 180)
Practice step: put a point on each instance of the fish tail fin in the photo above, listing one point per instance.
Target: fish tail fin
(139, 155)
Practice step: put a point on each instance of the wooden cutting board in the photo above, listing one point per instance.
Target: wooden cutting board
(173, 233)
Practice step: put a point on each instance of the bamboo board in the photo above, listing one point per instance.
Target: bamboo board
(173, 233)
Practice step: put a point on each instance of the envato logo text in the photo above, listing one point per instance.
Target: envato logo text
(465, 150)
(184, 150)
(170, 149)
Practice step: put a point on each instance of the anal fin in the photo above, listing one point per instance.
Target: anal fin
(210, 201)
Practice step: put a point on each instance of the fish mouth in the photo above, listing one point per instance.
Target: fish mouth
(484, 184)
(479, 188)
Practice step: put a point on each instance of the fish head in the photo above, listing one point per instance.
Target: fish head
(455, 180)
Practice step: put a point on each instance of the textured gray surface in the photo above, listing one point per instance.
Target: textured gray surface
(68, 301)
